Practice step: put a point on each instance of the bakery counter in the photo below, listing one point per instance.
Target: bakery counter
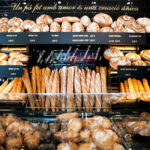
(102, 38)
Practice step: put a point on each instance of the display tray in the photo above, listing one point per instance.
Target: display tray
(75, 38)
(135, 142)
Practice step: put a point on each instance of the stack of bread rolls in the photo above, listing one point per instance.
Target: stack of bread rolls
(90, 133)
(101, 22)
(133, 89)
(69, 88)
(14, 58)
(117, 58)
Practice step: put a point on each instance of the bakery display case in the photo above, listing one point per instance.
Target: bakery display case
(73, 73)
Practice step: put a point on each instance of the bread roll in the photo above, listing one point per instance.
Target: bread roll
(66, 27)
(70, 19)
(27, 24)
(133, 57)
(85, 20)
(104, 20)
(106, 29)
(15, 29)
(44, 19)
(15, 22)
(55, 27)
(77, 27)
(145, 54)
(93, 27)
(125, 20)
(3, 56)
(112, 53)
(143, 21)
(139, 63)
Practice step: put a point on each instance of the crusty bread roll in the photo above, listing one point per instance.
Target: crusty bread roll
(85, 20)
(139, 63)
(66, 27)
(59, 20)
(27, 24)
(15, 22)
(3, 20)
(44, 19)
(125, 20)
(120, 61)
(93, 27)
(112, 53)
(55, 27)
(15, 29)
(106, 29)
(77, 27)
(69, 146)
(135, 27)
(104, 20)
(145, 54)
(143, 21)
(4, 27)
(116, 24)
(3, 56)
(133, 57)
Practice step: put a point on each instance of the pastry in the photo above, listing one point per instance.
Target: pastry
(125, 20)
(77, 88)
(116, 24)
(139, 63)
(2, 135)
(120, 61)
(135, 27)
(14, 141)
(133, 57)
(68, 146)
(104, 20)
(55, 27)
(70, 19)
(145, 54)
(67, 116)
(15, 22)
(44, 19)
(106, 29)
(15, 29)
(98, 92)
(143, 21)
(120, 29)
(27, 24)
(85, 20)
(77, 27)
(32, 140)
(85, 136)
(67, 136)
(74, 124)
(93, 27)
(112, 53)
(66, 27)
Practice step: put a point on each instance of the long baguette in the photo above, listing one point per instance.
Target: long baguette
(146, 88)
(92, 90)
(63, 78)
(27, 84)
(33, 79)
(98, 92)
(86, 99)
(70, 99)
(132, 94)
(43, 87)
(106, 103)
(77, 87)
(3, 86)
(136, 88)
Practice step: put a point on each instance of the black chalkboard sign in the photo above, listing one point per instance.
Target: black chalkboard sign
(10, 71)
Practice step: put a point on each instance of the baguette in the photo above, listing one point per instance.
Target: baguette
(88, 80)
(47, 77)
(33, 79)
(122, 90)
(86, 100)
(27, 83)
(142, 90)
(97, 69)
(43, 87)
(3, 86)
(103, 74)
(57, 91)
(63, 78)
(70, 99)
(77, 87)
(132, 94)
(49, 84)
(98, 92)
(92, 89)
(146, 88)
(136, 88)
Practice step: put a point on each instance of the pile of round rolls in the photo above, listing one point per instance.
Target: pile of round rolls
(88, 134)
(101, 22)
(117, 58)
